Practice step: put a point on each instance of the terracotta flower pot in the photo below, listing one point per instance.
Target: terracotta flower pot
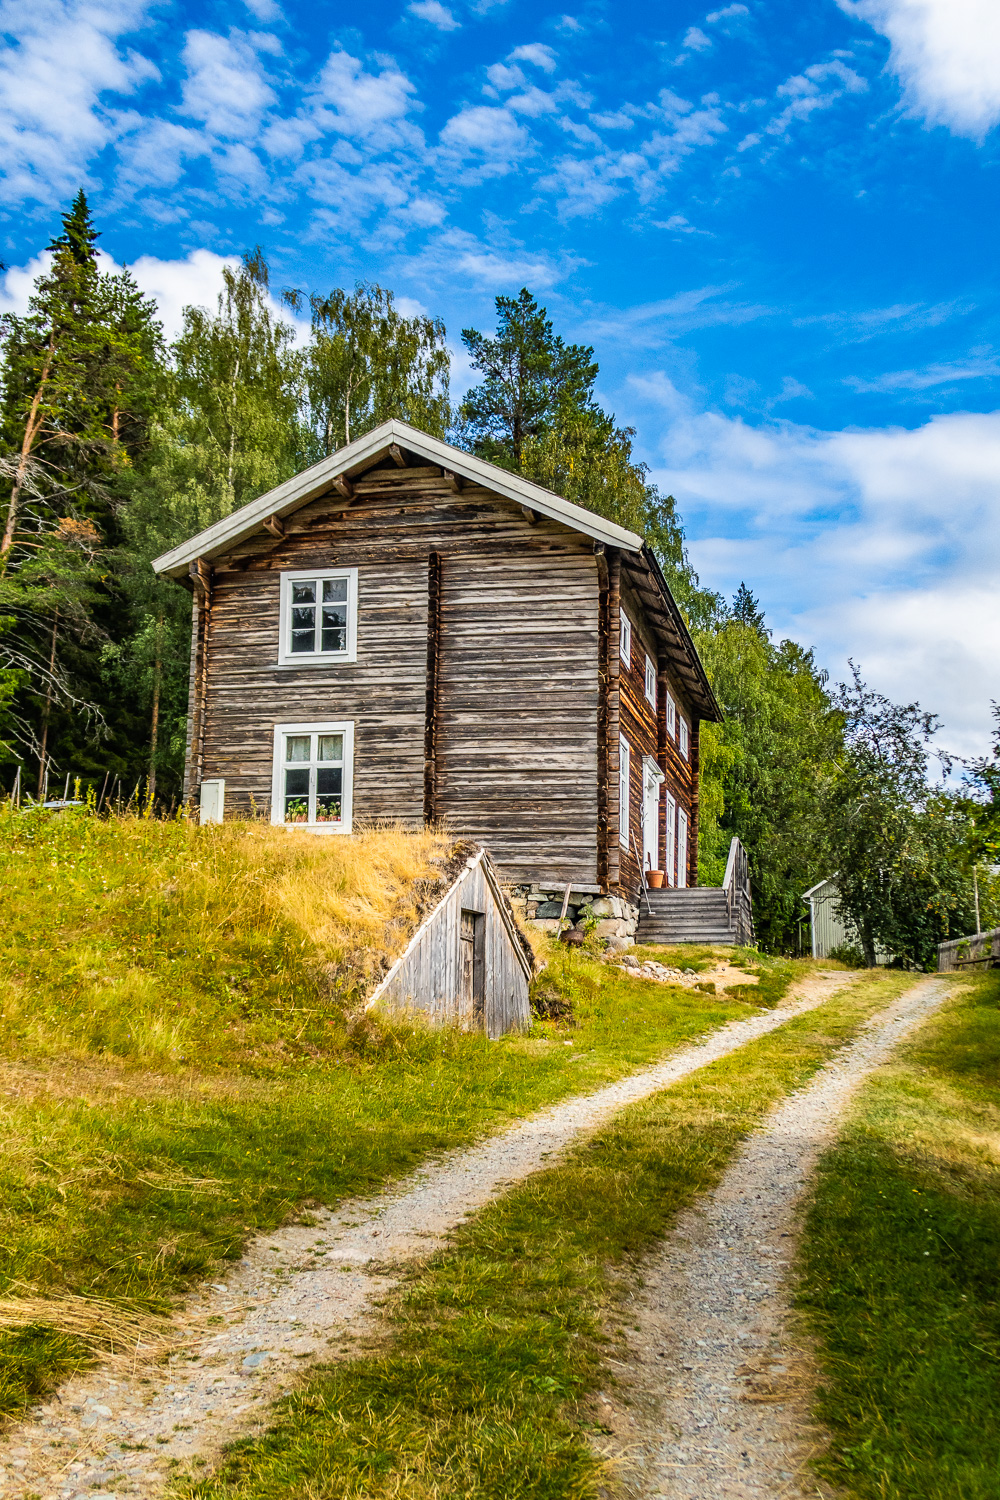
(654, 879)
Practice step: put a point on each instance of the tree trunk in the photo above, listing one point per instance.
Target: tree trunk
(31, 431)
(155, 718)
(47, 710)
(232, 433)
(868, 944)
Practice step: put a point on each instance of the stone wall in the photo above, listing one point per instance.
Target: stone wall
(616, 919)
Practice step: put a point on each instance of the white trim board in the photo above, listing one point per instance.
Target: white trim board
(361, 455)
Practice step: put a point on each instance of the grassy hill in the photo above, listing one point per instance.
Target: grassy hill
(181, 1063)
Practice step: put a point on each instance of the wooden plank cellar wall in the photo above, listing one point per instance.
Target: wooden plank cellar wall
(428, 977)
(511, 639)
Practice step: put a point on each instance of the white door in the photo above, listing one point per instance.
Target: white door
(670, 823)
(682, 848)
(651, 818)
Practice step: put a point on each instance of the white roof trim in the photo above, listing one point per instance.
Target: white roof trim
(360, 455)
(830, 880)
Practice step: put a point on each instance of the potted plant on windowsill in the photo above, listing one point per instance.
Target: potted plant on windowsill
(297, 812)
(328, 814)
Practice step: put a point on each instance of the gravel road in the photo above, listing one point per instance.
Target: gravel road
(716, 1390)
(302, 1293)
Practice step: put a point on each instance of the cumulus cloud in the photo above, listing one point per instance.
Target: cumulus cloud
(489, 138)
(881, 544)
(696, 40)
(225, 87)
(946, 54)
(63, 64)
(356, 102)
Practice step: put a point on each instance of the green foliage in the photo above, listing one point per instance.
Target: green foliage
(897, 838)
(531, 379)
(898, 1269)
(764, 767)
(367, 362)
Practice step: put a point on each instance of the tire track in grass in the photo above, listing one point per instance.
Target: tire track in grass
(716, 1388)
(243, 1341)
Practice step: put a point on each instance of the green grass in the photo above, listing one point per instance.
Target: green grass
(480, 1387)
(177, 1070)
(901, 1268)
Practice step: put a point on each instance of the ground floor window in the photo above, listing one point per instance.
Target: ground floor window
(313, 766)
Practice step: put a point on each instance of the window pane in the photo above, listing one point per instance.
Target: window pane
(329, 795)
(334, 627)
(297, 796)
(304, 593)
(334, 590)
(331, 747)
(304, 628)
(297, 748)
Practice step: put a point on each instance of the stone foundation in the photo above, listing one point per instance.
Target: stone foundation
(539, 906)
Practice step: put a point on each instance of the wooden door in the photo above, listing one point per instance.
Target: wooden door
(472, 986)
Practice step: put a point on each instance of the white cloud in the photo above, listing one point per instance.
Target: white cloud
(537, 54)
(455, 256)
(61, 62)
(225, 86)
(881, 544)
(976, 367)
(815, 88)
(364, 105)
(726, 14)
(946, 54)
(488, 136)
(696, 39)
(434, 13)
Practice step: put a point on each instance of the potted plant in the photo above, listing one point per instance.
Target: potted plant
(297, 812)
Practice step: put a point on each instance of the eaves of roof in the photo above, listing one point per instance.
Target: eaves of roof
(361, 455)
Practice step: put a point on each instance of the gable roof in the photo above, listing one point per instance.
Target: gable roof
(641, 567)
(362, 454)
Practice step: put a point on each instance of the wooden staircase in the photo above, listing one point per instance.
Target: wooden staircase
(720, 915)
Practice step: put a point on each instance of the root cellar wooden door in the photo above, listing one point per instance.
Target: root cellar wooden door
(472, 970)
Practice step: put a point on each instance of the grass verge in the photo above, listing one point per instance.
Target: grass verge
(900, 1268)
(493, 1348)
(178, 1070)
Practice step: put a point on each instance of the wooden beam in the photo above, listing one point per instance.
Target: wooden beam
(275, 525)
(531, 516)
(343, 486)
(397, 455)
(454, 480)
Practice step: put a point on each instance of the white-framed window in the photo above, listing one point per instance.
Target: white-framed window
(625, 639)
(313, 776)
(624, 768)
(671, 708)
(319, 617)
(684, 739)
(670, 823)
(650, 680)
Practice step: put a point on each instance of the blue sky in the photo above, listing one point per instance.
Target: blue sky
(776, 223)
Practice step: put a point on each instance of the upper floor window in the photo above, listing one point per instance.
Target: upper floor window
(671, 708)
(684, 737)
(319, 617)
(650, 681)
(625, 639)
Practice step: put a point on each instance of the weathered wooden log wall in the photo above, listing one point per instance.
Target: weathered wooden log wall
(475, 690)
(427, 979)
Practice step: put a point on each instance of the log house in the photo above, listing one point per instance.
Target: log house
(405, 632)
